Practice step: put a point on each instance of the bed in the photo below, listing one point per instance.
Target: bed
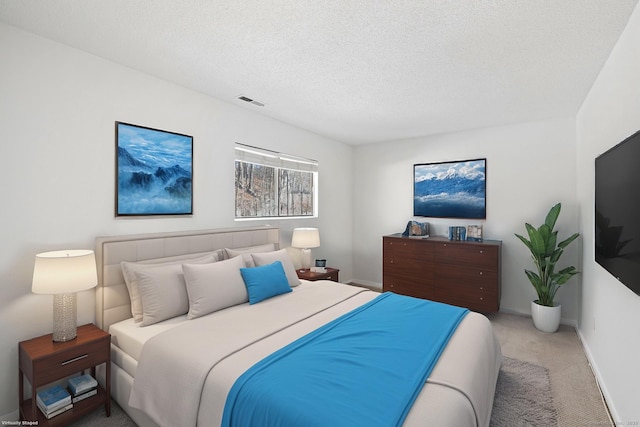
(159, 372)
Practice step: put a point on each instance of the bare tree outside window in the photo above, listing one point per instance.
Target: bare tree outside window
(295, 193)
(255, 190)
(271, 191)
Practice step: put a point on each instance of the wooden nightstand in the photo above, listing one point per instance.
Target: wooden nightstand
(43, 361)
(307, 274)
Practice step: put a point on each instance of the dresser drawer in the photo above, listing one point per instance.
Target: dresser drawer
(406, 286)
(469, 255)
(451, 273)
(407, 249)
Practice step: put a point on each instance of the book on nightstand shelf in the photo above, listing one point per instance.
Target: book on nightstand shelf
(81, 384)
(53, 401)
(59, 411)
(84, 395)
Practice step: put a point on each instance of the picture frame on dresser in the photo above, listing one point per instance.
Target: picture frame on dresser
(154, 172)
(474, 233)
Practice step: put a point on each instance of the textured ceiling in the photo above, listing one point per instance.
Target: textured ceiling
(358, 71)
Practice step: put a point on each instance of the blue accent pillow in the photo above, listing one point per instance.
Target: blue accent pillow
(265, 281)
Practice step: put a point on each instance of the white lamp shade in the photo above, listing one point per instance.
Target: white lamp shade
(61, 272)
(305, 238)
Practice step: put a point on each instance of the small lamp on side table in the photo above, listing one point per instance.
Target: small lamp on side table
(305, 238)
(63, 273)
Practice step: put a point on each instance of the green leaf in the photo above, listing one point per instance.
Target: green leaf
(565, 274)
(552, 216)
(533, 278)
(551, 243)
(538, 243)
(555, 256)
(552, 296)
(545, 235)
(568, 270)
(535, 281)
(525, 241)
(566, 242)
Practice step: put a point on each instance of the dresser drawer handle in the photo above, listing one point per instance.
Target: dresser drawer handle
(481, 273)
(481, 252)
(391, 262)
(75, 359)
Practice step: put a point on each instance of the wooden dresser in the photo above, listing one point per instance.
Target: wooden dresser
(462, 273)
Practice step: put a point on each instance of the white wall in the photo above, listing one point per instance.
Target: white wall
(57, 112)
(610, 319)
(530, 167)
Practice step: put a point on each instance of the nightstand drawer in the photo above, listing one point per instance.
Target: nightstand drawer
(332, 276)
(329, 274)
(70, 361)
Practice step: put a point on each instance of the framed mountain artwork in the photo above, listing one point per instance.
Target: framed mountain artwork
(450, 189)
(154, 172)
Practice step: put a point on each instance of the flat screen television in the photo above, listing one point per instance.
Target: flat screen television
(617, 211)
(450, 189)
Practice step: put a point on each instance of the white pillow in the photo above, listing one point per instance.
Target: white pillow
(163, 293)
(283, 256)
(129, 270)
(246, 252)
(215, 286)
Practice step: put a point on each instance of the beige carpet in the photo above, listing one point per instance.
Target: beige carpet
(574, 389)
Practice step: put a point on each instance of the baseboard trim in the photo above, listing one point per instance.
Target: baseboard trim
(606, 396)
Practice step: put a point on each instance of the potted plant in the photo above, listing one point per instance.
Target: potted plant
(546, 251)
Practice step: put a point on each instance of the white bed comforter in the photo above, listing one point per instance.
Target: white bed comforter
(184, 374)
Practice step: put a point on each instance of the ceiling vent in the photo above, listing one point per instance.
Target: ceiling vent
(251, 101)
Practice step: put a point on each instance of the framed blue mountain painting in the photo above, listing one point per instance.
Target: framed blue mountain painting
(154, 172)
(450, 189)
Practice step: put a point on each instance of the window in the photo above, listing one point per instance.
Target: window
(271, 184)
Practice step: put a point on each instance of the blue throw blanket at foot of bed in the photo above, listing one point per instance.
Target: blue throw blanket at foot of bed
(365, 368)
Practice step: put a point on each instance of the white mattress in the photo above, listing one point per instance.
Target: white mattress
(130, 336)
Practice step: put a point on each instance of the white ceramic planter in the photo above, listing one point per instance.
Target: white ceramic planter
(546, 319)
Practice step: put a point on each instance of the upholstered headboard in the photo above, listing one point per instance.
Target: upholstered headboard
(112, 297)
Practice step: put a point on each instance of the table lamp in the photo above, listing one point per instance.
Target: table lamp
(63, 273)
(305, 238)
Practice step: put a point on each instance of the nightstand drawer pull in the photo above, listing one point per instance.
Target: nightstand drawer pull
(75, 359)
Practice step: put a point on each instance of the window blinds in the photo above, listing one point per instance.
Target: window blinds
(261, 156)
